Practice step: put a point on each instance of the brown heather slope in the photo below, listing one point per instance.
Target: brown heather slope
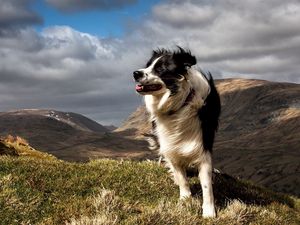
(69, 136)
(259, 133)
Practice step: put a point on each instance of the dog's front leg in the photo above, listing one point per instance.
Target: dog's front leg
(205, 176)
(181, 180)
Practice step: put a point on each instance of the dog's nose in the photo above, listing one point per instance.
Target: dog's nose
(138, 74)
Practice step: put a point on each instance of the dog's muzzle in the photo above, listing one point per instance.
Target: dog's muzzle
(144, 86)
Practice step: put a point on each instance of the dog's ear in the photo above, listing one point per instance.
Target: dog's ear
(156, 54)
(159, 52)
(184, 58)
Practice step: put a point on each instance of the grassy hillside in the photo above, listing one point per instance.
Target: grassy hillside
(50, 191)
(17, 146)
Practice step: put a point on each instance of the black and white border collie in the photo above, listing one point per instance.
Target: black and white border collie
(184, 108)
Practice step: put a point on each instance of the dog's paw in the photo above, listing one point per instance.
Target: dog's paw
(208, 211)
(185, 195)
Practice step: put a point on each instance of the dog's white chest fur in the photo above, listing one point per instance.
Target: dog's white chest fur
(179, 134)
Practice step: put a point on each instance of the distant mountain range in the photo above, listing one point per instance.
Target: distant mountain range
(258, 137)
(69, 136)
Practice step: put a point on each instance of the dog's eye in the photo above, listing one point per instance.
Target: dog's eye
(159, 69)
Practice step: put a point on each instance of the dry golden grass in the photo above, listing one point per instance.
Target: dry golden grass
(17, 146)
(233, 85)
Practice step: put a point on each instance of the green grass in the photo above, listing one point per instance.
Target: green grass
(49, 191)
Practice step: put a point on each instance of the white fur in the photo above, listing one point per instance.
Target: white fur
(179, 134)
(149, 78)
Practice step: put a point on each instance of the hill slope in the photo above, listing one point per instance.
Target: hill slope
(69, 136)
(126, 192)
(19, 119)
(259, 133)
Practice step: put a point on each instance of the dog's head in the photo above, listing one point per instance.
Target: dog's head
(166, 70)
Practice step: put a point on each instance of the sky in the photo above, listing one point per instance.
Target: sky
(78, 55)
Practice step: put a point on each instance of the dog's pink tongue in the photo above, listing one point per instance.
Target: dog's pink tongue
(138, 87)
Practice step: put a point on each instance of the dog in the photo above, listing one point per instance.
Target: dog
(184, 108)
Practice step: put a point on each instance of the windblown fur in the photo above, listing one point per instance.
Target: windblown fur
(184, 107)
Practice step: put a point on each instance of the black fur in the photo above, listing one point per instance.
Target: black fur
(184, 58)
(171, 66)
(153, 143)
(209, 115)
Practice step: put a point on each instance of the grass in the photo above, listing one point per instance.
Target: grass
(50, 191)
(37, 188)
(17, 146)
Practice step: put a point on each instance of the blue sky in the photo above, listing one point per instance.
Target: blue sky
(103, 23)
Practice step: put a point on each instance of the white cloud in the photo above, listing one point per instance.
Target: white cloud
(256, 38)
(66, 69)
(185, 14)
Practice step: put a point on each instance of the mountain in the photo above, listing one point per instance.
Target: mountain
(69, 136)
(259, 132)
(110, 127)
(17, 119)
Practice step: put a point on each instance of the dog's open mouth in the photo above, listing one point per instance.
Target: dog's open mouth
(147, 88)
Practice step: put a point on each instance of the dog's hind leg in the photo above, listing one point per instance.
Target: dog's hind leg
(205, 176)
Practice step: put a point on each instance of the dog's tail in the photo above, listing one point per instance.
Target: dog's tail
(209, 114)
(214, 95)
